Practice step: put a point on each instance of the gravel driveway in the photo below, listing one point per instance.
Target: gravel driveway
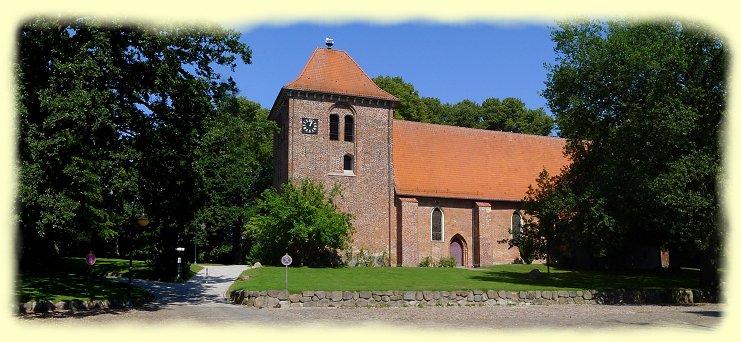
(201, 300)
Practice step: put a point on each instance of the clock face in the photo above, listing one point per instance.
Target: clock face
(309, 126)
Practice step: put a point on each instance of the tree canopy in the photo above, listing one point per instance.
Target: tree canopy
(300, 220)
(234, 163)
(509, 114)
(640, 105)
(109, 116)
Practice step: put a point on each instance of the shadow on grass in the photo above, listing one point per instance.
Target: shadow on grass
(54, 287)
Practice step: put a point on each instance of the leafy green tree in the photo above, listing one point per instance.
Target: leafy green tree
(302, 221)
(109, 116)
(439, 113)
(511, 115)
(234, 162)
(641, 106)
(412, 107)
(508, 115)
(467, 114)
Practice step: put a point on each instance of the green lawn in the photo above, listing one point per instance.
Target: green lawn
(501, 277)
(68, 278)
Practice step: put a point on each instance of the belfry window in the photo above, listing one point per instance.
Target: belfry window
(349, 128)
(347, 161)
(334, 127)
(437, 225)
(516, 225)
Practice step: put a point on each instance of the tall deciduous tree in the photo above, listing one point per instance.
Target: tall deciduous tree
(412, 107)
(234, 162)
(641, 106)
(110, 114)
(508, 115)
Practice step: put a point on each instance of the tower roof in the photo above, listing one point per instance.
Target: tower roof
(455, 162)
(334, 71)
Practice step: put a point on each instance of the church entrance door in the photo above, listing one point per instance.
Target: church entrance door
(456, 250)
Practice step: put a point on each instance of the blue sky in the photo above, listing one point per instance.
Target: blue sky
(450, 62)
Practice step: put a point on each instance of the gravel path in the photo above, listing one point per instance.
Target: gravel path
(201, 301)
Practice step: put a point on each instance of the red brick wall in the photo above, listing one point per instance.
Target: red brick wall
(480, 224)
(407, 253)
(367, 193)
(457, 219)
(501, 218)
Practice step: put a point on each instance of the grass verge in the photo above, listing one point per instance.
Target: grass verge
(501, 277)
(72, 278)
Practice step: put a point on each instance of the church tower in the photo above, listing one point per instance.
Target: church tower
(335, 128)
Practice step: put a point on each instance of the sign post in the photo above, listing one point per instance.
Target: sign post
(90, 260)
(180, 250)
(286, 260)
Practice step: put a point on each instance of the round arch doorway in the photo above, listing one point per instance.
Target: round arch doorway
(458, 250)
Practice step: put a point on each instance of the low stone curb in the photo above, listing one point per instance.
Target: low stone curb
(284, 299)
(73, 305)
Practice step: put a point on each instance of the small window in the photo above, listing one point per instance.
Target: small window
(349, 128)
(347, 161)
(437, 224)
(334, 127)
(516, 225)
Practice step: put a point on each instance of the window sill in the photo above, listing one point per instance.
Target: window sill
(342, 174)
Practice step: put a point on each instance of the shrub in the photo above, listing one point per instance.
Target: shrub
(365, 258)
(447, 262)
(427, 262)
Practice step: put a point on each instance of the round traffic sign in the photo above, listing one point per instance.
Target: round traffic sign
(90, 258)
(286, 260)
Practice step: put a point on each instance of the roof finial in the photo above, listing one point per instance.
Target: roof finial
(329, 42)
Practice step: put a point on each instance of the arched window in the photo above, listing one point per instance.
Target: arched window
(349, 128)
(348, 163)
(334, 127)
(437, 225)
(516, 224)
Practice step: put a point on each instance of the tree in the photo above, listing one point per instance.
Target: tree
(109, 116)
(508, 115)
(640, 105)
(511, 115)
(412, 107)
(234, 162)
(302, 221)
(439, 113)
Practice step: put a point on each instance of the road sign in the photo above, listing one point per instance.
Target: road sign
(90, 258)
(286, 260)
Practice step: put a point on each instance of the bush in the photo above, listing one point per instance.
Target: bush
(447, 262)
(427, 262)
(364, 258)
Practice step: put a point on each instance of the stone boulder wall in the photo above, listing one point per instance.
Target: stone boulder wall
(284, 299)
(73, 305)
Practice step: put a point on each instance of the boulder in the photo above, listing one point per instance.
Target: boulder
(535, 274)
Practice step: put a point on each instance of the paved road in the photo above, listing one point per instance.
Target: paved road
(205, 288)
(201, 301)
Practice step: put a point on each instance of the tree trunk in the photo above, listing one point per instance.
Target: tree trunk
(236, 255)
(709, 264)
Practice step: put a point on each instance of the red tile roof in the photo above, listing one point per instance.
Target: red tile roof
(334, 71)
(455, 162)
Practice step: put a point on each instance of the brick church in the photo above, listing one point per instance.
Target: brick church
(413, 189)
